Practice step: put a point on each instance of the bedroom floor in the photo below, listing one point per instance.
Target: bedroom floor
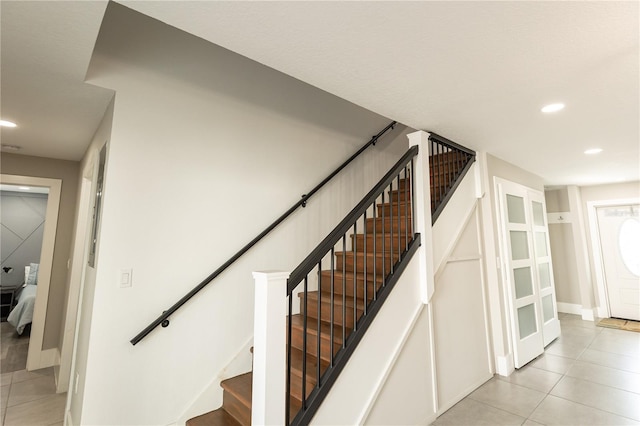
(13, 349)
(28, 397)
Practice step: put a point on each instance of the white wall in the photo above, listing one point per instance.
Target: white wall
(83, 293)
(460, 320)
(574, 294)
(207, 148)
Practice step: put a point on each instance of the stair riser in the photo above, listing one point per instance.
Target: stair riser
(380, 266)
(388, 225)
(445, 156)
(389, 244)
(389, 209)
(296, 386)
(236, 408)
(395, 196)
(312, 344)
(348, 289)
(325, 309)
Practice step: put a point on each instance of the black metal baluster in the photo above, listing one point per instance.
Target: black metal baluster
(434, 181)
(391, 227)
(365, 261)
(406, 208)
(399, 217)
(355, 274)
(413, 203)
(344, 290)
(304, 344)
(384, 243)
(375, 254)
(319, 322)
(289, 354)
(333, 275)
(441, 167)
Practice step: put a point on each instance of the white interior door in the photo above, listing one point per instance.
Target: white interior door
(519, 273)
(543, 268)
(619, 229)
(527, 270)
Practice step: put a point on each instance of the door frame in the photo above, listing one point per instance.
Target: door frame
(598, 262)
(36, 356)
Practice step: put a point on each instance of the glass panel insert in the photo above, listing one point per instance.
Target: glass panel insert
(515, 209)
(541, 244)
(629, 243)
(547, 308)
(523, 283)
(538, 213)
(545, 276)
(527, 321)
(519, 245)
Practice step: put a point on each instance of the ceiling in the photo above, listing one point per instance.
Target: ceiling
(476, 72)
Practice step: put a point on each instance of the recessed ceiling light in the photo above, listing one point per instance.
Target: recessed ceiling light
(552, 108)
(593, 151)
(5, 123)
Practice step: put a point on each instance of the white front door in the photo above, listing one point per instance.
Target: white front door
(619, 229)
(527, 270)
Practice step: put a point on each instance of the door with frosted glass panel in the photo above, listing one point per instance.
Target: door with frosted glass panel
(521, 269)
(543, 267)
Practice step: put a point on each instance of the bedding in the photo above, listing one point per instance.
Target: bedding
(22, 314)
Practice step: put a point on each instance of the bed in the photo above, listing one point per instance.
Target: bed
(22, 314)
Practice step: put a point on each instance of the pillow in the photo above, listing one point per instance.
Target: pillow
(33, 274)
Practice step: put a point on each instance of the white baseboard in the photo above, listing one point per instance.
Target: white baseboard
(505, 365)
(68, 419)
(444, 407)
(602, 312)
(588, 315)
(569, 308)
(49, 357)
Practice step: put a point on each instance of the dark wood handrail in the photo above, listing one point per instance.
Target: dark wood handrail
(164, 318)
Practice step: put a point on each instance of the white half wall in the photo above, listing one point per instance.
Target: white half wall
(462, 342)
(370, 379)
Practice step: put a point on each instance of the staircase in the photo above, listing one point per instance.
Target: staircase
(392, 224)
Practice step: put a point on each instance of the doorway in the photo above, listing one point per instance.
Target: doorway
(37, 357)
(22, 218)
(619, 232)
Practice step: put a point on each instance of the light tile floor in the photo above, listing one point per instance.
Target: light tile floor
(28, 397)
(589, 376)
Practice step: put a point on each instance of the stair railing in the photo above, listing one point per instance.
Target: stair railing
(448, 163)
(164, 318)
(342, 272)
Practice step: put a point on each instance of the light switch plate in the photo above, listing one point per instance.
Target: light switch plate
(125, 278)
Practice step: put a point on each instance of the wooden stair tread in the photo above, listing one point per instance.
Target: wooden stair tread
(240, 387)
(217, 417)
(297, 322)
(337, 299)
(338, 274)
(312, 362)
(350, 254)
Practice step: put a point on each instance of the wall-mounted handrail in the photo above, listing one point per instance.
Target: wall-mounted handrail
(164, 318)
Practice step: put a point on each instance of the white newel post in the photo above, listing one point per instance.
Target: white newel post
(422, 211)
(269, 348)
